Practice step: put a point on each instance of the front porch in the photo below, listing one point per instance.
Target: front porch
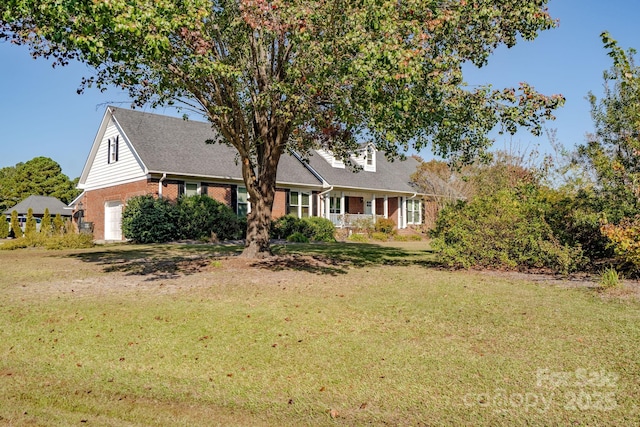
(354, 209)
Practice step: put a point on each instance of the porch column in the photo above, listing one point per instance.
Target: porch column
(342, 207)
(327, 212)
(403, 212)
(373, 206)
(386, 206)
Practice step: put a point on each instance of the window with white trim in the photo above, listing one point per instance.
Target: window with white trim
(242, 205)
(334, 204)
(414, 211)
(191, 189)
(299, 204)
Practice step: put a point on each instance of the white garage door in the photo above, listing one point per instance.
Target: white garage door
(113, 220)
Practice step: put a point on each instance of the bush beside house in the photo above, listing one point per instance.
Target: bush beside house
(147, 219)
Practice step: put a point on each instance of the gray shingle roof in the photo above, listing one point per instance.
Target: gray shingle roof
(39, 204)
(177, 146)
(391, 176)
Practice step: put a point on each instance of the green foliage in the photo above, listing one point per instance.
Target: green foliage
(378, 235)
(298, 237)
(68, 240)
(385, 226)
(46, 226)
(504, 230)
(609, 278)
(320, 229)
(358, 237)
(277, 75)
(58, 225)
(201, 216)
(624, 238)
(4, 227)
(285, 226)
(149, 220)
(30, 225)
(313, 228)
(611, 153)
(16, 231)
(40, 176)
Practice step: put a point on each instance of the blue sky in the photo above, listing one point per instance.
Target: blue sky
(41, 114)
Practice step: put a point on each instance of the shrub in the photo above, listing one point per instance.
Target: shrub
(30, 224)
(58, 225)
(298, 237)
(385, 225)
(4, 228)
(358, 237)
(503, 230)
(58, 241)
(313, 228)
(285, 226)
(149, 220)
(377, 235)
(46, 227)
(320, 229)
(16, 231)
(201, 216)
(625, 240)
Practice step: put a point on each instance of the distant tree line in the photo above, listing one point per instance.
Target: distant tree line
(40, 176)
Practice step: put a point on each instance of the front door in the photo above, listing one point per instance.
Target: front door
(113, 220)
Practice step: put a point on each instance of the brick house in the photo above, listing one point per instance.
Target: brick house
(136, 153)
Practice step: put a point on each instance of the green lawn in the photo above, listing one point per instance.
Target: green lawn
(344, 335)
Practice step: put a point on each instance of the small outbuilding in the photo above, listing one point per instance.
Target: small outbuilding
(38, 204)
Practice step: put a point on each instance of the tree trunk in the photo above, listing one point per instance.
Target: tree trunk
(258, 226)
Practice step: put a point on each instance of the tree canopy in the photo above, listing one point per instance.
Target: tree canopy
(40, 176)
(612, 153)
(300, 74)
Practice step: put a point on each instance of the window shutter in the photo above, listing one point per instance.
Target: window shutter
(346, 205)
(117, 142)
(204, 188)
(316, 204)
(108, 150)
(180, 188)
(234, 198)
(287, 201)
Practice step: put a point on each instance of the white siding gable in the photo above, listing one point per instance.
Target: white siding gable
(330, 158)
(105, 173)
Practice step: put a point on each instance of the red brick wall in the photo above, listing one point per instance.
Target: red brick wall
(94, 201)
(221, 193)
(279, 204)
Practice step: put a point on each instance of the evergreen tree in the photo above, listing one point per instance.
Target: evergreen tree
(30, 226)
(15, 225)
(58, 224)
(46, 227)
(4, 228)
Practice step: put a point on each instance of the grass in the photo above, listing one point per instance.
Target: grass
(334, 334)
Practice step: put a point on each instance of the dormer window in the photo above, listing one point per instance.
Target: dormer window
(370, 159)
(369, 156)
(112, 149)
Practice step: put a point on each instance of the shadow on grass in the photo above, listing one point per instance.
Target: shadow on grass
(336, 258)
(160, 262)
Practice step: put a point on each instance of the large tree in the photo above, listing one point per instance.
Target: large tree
(40, 176)
(612, 152)
(298, 74)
